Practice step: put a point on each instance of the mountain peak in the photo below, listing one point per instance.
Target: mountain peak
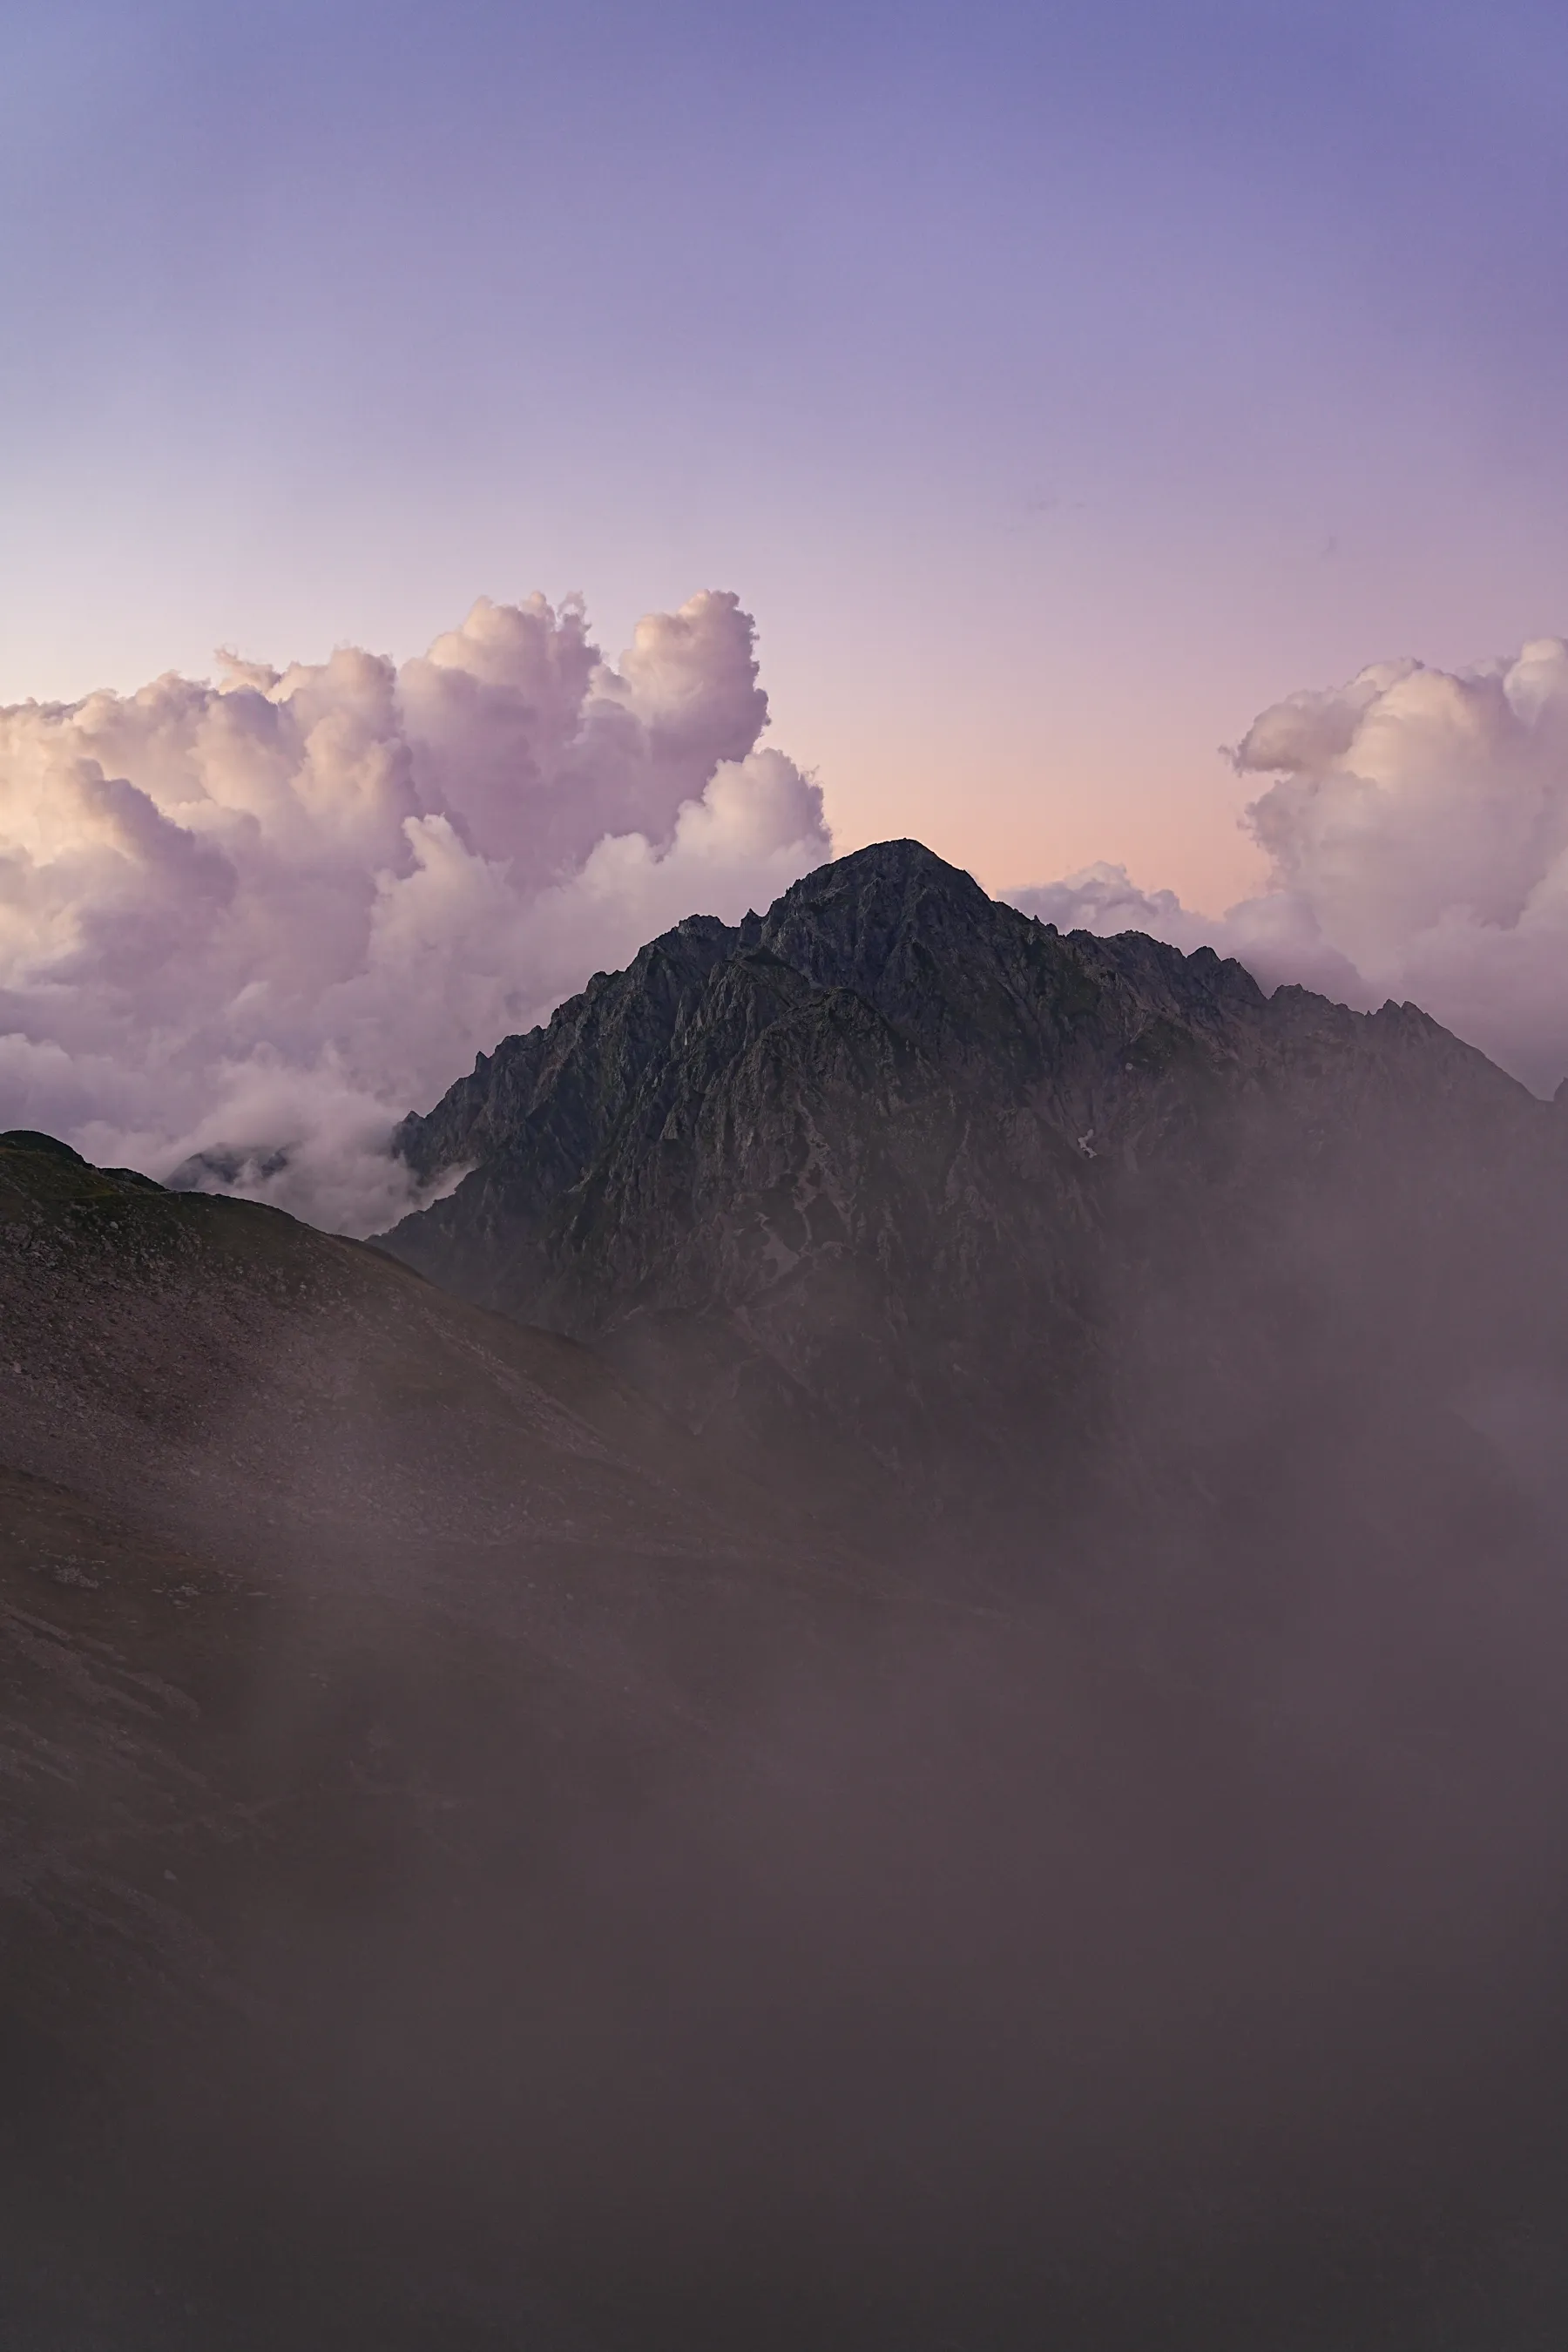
(760, 1159)
(882, 866)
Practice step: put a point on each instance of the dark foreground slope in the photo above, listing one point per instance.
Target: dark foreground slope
(483, 1870)
(344, 1630)
(225, 1364)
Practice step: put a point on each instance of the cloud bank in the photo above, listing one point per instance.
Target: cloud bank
(260, 920)
(248, 924)
(1416, 830)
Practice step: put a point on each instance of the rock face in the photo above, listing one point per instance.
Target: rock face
(897, 1167)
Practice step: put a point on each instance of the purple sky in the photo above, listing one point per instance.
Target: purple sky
(1058, 386)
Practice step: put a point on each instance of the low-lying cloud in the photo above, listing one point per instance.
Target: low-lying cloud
(1418, 833)
(260, 920)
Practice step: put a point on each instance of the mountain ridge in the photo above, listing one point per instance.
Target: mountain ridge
(893, 1124)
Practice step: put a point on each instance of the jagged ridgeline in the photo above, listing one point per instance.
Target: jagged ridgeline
(1012, 1215)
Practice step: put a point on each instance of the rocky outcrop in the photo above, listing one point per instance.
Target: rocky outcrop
(898, 1165)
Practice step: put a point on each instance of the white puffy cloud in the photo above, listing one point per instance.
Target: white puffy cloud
(1416, 829)
(267, 916)
(1105, 899)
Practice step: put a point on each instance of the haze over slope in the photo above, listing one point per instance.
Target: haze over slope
(345, 1629)
(970, 1750)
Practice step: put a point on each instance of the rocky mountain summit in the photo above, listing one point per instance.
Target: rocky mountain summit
(897, 1167)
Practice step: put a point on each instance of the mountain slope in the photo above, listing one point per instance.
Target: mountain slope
(343, 1627)
(481, 1870)
(244, 1464)
(218, 1360)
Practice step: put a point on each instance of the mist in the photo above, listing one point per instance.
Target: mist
(510, 1875)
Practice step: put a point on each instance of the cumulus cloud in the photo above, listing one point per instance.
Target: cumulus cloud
(260, 919)
(1416, 829)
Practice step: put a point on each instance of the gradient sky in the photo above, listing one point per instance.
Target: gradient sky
(1058, 386)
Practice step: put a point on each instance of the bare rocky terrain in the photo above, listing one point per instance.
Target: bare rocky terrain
(897, 1168)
